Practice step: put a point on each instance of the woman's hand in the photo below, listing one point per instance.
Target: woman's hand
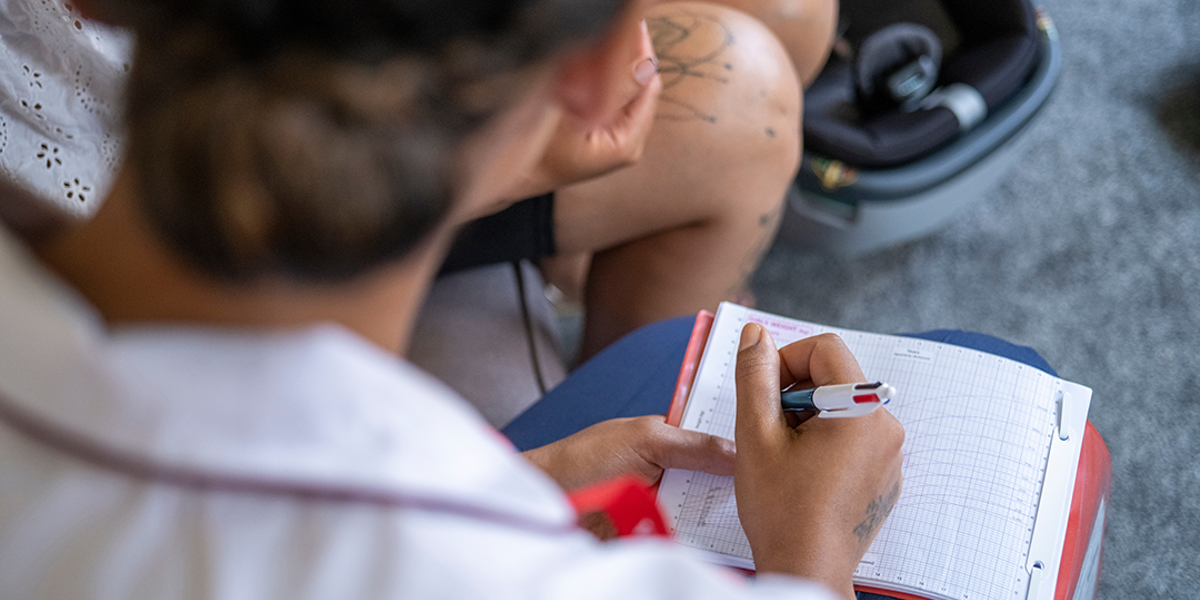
(638, 446)
(583, 149)
(810, 498)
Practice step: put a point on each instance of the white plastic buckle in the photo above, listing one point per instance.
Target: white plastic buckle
(964, 101)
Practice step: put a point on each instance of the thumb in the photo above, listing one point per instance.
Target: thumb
(759, 416)
(645, 66)
(643, 71)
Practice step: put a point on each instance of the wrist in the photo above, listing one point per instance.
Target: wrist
(841, 585)
(529, 186)
(813, 559)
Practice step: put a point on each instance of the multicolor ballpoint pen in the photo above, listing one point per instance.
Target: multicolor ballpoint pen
(835, 401)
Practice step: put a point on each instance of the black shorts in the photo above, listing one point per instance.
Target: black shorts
(523, 231)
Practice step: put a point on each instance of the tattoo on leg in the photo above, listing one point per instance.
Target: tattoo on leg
(877, 511)
(681, 58)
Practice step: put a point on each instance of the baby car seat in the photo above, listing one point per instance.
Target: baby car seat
(921, 117)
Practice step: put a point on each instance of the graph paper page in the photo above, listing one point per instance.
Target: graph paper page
(978, 430)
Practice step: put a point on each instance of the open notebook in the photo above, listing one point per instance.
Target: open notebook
(987, 473)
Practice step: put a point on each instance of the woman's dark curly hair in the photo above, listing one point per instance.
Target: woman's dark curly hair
(315, 139)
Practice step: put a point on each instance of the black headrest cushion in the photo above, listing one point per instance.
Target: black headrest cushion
(995, 50)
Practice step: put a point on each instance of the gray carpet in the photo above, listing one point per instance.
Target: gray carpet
(1090, 253)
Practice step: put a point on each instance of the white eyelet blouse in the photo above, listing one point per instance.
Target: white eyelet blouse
(61, 80)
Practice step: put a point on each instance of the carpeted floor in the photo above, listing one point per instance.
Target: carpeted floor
(1088, 252)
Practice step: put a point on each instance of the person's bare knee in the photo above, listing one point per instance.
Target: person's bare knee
(683, 229)
(805, 27)
(732, 105)
(726, 133)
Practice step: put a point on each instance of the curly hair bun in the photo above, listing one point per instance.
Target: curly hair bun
(316, 138)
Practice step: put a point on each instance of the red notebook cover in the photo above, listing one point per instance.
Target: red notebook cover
(691, 361)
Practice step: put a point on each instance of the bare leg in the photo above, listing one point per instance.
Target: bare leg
(685, 227)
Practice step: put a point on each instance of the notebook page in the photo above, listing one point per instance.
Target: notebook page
(978, 431)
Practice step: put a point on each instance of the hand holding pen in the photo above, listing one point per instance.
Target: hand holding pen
(811, 497)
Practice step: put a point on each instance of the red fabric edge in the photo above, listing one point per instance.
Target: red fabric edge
(627, 501)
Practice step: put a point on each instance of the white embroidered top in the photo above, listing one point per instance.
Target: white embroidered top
(61, 79)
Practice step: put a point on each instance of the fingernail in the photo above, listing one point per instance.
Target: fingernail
(645, 71)
(751, 334)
